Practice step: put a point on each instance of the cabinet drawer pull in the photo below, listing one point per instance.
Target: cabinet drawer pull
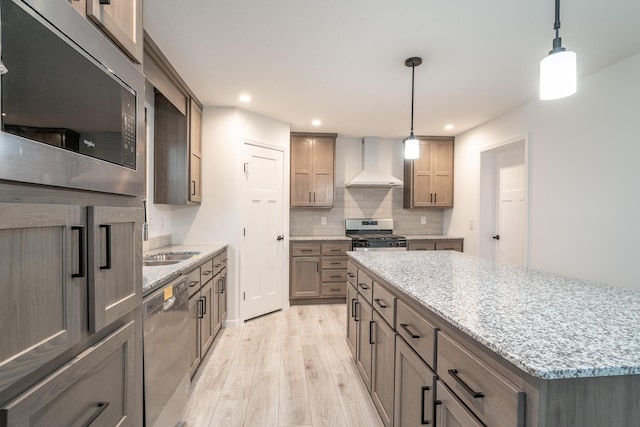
(336, 250)
(371, 323)
(363, 286)
(474, 394)
(306, 250)
(422, 420)
(353, 308)
(193, 283)
(351, 274)
(335, 277)
(100, 408)
(206, 273)
(81, 250)
(217, 265)
(335, 263)
(334, 289)
(381, 304)
(405, 327)
(107, 229)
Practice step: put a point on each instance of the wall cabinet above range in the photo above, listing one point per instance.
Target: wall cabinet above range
(313, 169)
(428, 180)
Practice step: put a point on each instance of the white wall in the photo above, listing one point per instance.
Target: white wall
(218, 218)
(585, 178)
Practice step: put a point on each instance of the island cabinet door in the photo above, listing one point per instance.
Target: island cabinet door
(352, 318)
(383, 368)
(115, 264)
(414, 388)
(364, 344)
(42, 285)
(450, 412)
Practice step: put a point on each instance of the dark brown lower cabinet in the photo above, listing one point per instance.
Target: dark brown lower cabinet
(94, 388)
(414, 388)
(364, 347)
(383, 368)
(450, 412)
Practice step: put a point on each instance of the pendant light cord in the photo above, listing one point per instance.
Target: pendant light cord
(413, 73)
(557, 42)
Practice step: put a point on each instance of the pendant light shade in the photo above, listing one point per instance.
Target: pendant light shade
(558, 69)
(558, 75)
(411, 147)
(411, 144)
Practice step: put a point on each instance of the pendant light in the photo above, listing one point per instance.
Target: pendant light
(558, 69)
(411, 144)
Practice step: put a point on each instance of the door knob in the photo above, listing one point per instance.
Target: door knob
(280, 237)
(497, 237)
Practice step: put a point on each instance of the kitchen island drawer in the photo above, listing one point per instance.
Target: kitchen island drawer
(94, 388)
(365, 285)
(495, 400)
(301, 249)
(334, 262)
(385, 303)
(194, 280)
(352, 274)
(336, 248)
(417, 331)
(334, 289)
(334, 276)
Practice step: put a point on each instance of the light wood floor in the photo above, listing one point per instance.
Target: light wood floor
(288, 368)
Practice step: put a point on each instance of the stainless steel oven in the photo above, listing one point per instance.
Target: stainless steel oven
(72, 103)
(370, 234)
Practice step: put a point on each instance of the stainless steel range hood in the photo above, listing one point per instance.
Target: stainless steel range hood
(372, 174)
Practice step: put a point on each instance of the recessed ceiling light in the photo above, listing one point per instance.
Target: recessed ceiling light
(448, 127)
(316, 122)
(245, 98)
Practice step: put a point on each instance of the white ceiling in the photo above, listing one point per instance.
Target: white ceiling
(342, 61)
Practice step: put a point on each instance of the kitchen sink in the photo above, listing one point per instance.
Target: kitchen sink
(157, 263)
(169, 256)
(166, 258)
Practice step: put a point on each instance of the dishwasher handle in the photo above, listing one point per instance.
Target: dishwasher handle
(169, 303)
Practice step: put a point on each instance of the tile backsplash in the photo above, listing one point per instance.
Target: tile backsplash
(364, 203)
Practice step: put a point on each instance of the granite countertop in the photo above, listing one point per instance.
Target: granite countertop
(549, 325)
(152, 277)
(430, 237)
(303, 238)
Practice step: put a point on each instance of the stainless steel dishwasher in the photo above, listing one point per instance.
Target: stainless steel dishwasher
(166, 353)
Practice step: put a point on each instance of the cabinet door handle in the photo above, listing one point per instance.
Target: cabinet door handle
(200, 308)
(193, 192)
(422, 420)
(405, 327)
(105, 1)
(357, 312)
(107, 229)
(381, 304)
(465, 386)
(314, 197)
(430, 197)
(371, 323)
(204, 305)
(100, 408)
(435, 197)
(363, 286)
(81, 249)
(353, 308)
(309, 196)
(223, 284)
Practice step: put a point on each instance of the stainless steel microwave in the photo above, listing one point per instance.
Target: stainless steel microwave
(72, 103)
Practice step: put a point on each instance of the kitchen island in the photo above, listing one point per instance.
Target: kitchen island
(567, 350)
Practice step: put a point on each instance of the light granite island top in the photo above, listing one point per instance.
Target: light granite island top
(550, 326)
(154, 276)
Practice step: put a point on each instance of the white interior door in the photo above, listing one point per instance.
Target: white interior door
(262, 275)
(511, 207)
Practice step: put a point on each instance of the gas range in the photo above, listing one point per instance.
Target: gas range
(368, 234)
